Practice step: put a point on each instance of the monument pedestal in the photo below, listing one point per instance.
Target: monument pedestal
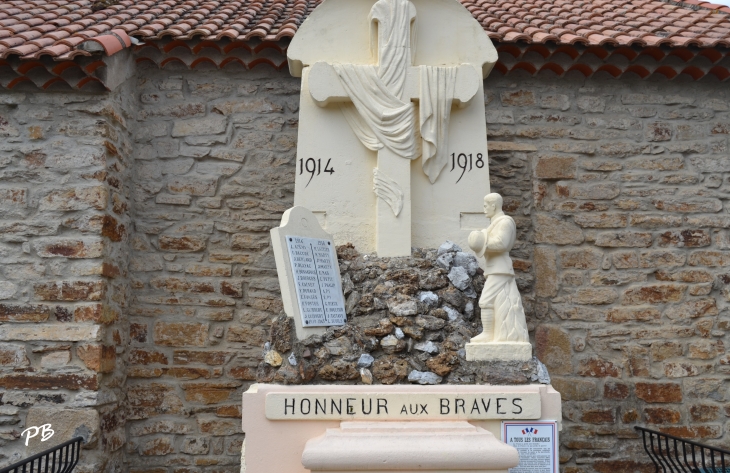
(408, 447)
(498, 351)
(387, 429)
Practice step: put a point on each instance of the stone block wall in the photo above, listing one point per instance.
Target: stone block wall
(65, 165)
(215, 171)
(624, 209)
(135, 247)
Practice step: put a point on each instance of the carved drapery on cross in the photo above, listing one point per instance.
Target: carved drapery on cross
(361, 54)
(381, 113)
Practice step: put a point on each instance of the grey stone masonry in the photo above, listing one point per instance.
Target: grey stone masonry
(138, 283)
(65, 220)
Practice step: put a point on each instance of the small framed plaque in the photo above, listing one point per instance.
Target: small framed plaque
(536, 442)
(317, 281)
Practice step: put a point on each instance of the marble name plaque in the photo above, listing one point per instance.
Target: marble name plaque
(317, 280)
(402, 406)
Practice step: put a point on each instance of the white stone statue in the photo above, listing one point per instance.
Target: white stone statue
(503, 319)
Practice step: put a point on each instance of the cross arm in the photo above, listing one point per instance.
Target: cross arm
(325, 86)
(467, 84)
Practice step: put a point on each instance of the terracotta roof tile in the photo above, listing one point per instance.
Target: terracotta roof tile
(33, 28)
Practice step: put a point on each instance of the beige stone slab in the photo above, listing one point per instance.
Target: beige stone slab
(402, 406)
(59, 333)
(498, 351)
(61, 425)
(510, 146)
(408, 446)
(414, 471)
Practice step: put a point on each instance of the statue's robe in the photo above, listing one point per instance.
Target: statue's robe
(500, 291)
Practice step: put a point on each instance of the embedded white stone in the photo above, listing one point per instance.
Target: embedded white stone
(365, 360)
(459, 278)
(366, 376)
(466, 261)
(428, 347)
(445, 261)
(542, 376)
(429, 298)
(424, 377)
(448, 247)
(469, 309)
(389, 341)
(452, 314)
(273, 358)
(403, 309)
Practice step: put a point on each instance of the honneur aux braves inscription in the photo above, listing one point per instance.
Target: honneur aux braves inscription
(317, 281)
(402, 406)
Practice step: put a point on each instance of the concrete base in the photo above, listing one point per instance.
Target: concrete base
(498, 351)
(408, 446)
(288, 437)
(416, 471)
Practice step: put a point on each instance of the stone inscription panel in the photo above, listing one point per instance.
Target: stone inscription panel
(402, 406)
(317, 280)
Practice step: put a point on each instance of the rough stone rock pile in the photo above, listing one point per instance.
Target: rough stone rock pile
(408, 319)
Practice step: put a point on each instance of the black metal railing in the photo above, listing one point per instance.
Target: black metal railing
(672, 454)
(59, 459)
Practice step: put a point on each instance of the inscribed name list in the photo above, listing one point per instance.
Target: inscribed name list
(402, 406)
(317, 281)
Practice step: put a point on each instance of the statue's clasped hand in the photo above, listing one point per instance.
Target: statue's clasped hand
(477, 241)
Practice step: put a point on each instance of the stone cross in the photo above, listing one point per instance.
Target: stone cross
(376, 94)
(393, 212)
